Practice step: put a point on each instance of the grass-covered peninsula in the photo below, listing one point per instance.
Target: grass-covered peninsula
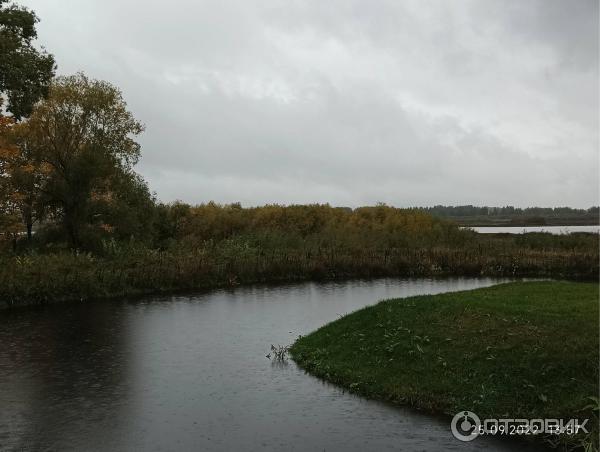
(519, 350)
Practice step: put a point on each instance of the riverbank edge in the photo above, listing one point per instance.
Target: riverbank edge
(132, 293)
(34, 278)
(139, 294)
(316, 366)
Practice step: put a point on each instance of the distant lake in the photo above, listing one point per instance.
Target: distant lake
(525, 229)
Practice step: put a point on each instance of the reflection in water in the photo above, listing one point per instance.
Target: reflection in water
(61, 369)
(190, 373)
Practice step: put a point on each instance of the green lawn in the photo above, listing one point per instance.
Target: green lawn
(517, 350)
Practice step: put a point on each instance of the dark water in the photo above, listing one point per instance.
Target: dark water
(190, 373)
(557, 230)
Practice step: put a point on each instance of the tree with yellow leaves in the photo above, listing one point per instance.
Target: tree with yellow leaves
(10, 224)
(22, 176)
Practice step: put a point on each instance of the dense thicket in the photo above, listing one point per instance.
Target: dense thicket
(303, 226)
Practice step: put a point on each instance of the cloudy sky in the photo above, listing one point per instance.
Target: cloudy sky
(349, 102)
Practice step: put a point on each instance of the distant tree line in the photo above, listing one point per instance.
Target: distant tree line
(469, 214)
(470, 210)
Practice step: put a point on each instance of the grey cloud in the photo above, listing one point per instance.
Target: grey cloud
(349, 102)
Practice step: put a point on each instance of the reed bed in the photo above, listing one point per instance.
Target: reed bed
(70, 276)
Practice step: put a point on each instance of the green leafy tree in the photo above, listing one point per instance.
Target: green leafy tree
(128, 211)
(25, 72)
(84, 134)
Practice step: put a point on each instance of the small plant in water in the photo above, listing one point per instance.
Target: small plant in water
(278, 353)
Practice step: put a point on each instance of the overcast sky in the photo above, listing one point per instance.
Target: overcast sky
(349, 102)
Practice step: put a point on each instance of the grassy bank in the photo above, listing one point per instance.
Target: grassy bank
(519, 350)
(67, 276)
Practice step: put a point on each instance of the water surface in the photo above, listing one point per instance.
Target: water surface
(525, 229)
(190, 373)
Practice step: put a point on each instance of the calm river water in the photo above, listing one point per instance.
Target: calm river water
(190, 373)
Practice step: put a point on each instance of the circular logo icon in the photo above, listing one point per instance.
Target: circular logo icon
(465, 426)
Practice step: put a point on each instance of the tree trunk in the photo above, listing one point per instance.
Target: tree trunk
(27, 215)
(72, 227)
(72, 232)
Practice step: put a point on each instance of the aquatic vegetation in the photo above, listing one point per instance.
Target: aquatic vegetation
(278, 353)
